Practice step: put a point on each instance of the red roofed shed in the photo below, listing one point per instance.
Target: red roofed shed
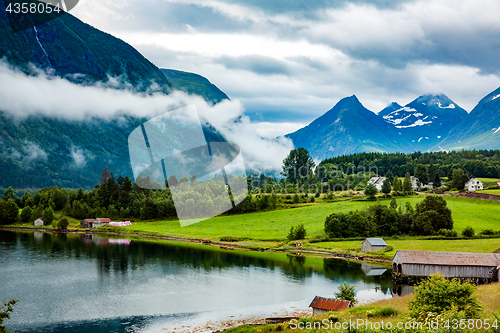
(322, 305)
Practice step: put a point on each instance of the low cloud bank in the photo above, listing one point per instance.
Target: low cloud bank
(42, 94)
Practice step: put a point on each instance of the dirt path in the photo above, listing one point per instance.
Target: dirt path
(474, 195)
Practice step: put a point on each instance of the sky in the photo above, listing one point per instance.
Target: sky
(288, 62)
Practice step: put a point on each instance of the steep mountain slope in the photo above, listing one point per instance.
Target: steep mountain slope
(39, 151)
(69, 48)
(390, 108)
(195, 84)
(425, 121)
(480, 129)
(347, 128)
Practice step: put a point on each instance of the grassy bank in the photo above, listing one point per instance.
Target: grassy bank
(269, 229)
(391, 310)
(274, 225)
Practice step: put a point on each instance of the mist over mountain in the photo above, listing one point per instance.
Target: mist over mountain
(40, 149)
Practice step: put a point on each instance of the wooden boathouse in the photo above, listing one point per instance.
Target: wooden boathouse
(478, 267)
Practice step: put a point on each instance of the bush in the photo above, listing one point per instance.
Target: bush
(370, 191)
(298, 232)
(48, 215)
(385, 311)
(447, 233)
(388, 248)
(439, 295)
(347, 292)
(468, 232)
(351, 224)
(488, 232)
(63, 224)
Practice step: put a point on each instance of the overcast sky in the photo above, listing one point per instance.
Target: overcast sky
(288, 62)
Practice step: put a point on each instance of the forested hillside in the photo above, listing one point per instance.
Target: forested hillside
(477, 163)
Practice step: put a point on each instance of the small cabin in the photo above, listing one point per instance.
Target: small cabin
(322, 305)
(87, 223)
(100, 221)
(373, 244)
(473, 185)
(38, 223)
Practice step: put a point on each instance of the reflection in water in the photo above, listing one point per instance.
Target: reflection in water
(88, 279)
(372, 270)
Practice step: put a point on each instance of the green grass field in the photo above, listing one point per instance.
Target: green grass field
(489, 181)
(494, 192)
(274, 225)
(459, 245)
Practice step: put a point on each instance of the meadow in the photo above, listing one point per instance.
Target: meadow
(274, 225)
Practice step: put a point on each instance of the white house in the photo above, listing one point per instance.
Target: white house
(377, 181)
(473, 185)
(414, 183)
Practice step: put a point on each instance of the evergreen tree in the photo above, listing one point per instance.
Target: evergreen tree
(407, 183)
(394, 204)
(459, 178)
(431, 171)
(386, 186)
(390, 176)
(396, 184)
(297, 165)
(437, 180)
(422, 175)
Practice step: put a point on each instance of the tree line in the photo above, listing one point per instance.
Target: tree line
(429, 216)
(476, 163)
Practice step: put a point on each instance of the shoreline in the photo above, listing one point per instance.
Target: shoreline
(221, 245)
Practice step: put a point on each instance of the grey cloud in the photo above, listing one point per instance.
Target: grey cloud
(78, 156)
(58, 98)
(257, 64)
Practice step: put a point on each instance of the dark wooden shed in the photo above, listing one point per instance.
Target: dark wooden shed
(87, 223)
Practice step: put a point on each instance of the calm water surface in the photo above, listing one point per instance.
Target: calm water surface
(80, 283)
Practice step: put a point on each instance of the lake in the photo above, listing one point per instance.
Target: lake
(92, 283)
